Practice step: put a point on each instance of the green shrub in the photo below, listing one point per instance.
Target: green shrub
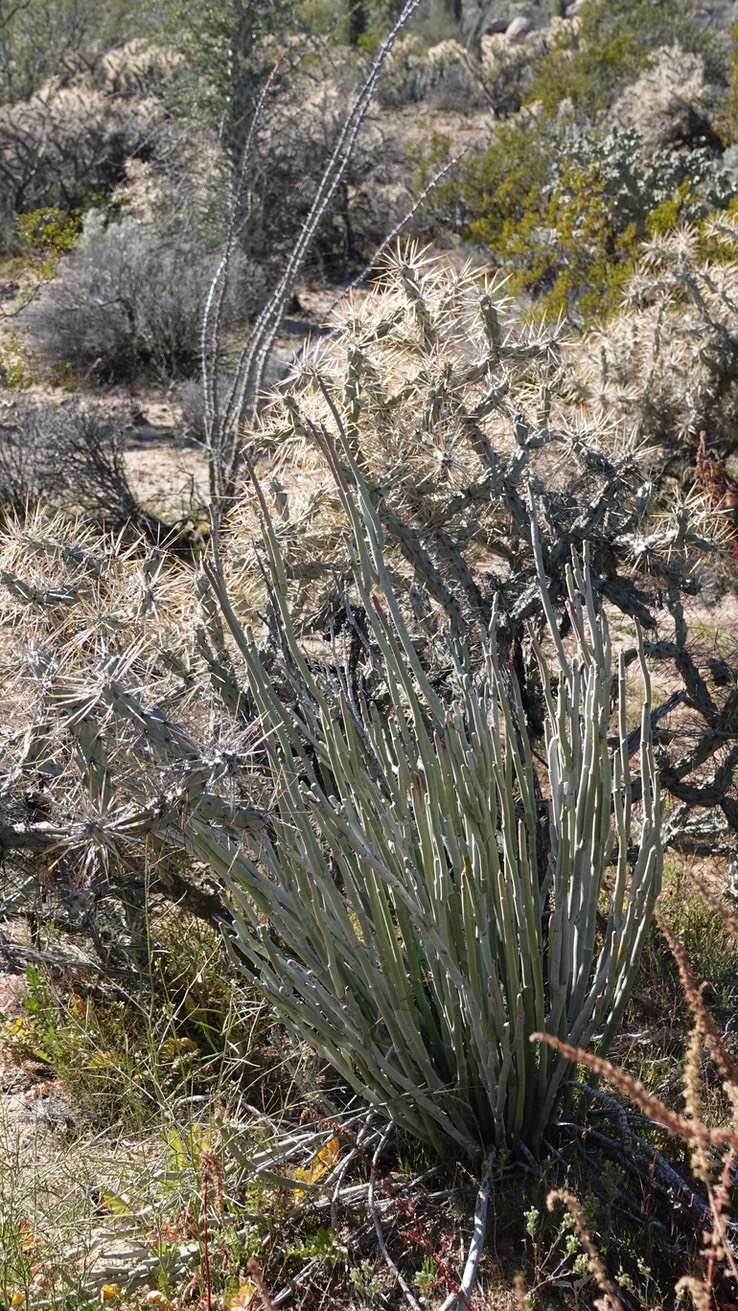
(593, 59)
(47, 232)
(563, 203)
(574, 235)
(41, 238)
(13, 372)
(513, 173)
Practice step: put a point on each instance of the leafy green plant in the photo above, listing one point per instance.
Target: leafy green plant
(558, 1256)
(42, 237)
(45, 234)
(368, 1287)
(574, 235)
(13, 370)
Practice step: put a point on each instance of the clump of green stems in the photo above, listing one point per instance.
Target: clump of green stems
(431, 890)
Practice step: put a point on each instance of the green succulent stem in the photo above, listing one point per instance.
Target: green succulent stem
(432, 890)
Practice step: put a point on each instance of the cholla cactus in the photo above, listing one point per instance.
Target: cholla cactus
(452, 411)
(121, 715)
(667, 360)
(129, 725)
(671, 102)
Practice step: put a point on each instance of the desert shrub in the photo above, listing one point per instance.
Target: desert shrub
(47, 453)
(39, 240)
(454, 932)
(67, 145)
(129, 301)
(607, 47)
(445, 400)
(73, 456)
(73, 141)
(636, 179)
(122, 610)
(324, 700)
(139, 68)
(497, 185)
(230, 56)
(449, 75)
(299, 128)
(575, 237)
(299, 122)
(508, 68)
(192, 404)
(46, 234)
(449, 407)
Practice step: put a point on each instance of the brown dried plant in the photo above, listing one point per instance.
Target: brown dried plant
(713, 1147)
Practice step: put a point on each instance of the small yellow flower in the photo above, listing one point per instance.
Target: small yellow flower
(320, 1164)
(17, 1299)
(244, 1298)
(102, 1058)
(20, 1030)
(109, 1292)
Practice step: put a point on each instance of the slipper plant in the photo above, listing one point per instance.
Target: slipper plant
(432, 888)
